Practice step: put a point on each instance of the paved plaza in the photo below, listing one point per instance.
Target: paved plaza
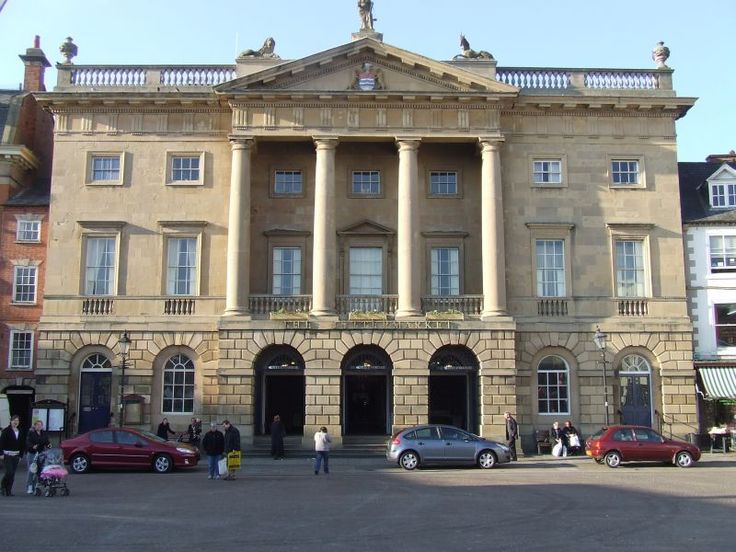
(366, 504)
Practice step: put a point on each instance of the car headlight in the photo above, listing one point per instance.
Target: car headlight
(184, 450)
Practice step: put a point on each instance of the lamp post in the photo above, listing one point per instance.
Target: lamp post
(600, 341)
(124, 344)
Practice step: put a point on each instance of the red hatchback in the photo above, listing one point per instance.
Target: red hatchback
(617, 444)
(126, 448)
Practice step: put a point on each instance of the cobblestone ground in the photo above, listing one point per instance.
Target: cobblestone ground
(367, 504)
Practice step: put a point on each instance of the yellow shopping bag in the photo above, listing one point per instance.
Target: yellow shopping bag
(233, 460)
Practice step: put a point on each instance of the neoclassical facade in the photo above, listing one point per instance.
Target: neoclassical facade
(366, 239)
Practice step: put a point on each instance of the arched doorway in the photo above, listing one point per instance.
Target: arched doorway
(20, 403)
(453, 388)
(95, 392)
(366, 387)
(280, 387)
(635, 391)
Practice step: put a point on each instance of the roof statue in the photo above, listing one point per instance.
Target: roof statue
(265, 51)
(365, 10)
(469, 53)
(68, 49)
(660, 55)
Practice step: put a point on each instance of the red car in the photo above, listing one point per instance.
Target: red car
(126, 448)
(617, 444)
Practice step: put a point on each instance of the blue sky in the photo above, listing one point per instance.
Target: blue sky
(526, 33)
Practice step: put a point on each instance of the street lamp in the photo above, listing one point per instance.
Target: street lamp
(600, 341)
(124, 345)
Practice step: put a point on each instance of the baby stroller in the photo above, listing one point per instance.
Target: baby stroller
(50, 473)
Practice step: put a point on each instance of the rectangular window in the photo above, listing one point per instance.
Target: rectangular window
(443, 183)
(100, 266)
(722, 254)
(21, 350)
(445, 271)
(366, 271)
(288, 183)
(723, 195)
(547, 171)
(287, 271)
(182, 266)
(28, 231)
(725, 316)
(185, 168)
(551, 268)
(625, 171)
(366, 183)
(630, 272)
(24, 284)
(105, 167)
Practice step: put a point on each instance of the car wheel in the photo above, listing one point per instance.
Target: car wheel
(162, 463)
(613, 459)
(487, 460)
(683, 459)
(79, 463)
(409, 460)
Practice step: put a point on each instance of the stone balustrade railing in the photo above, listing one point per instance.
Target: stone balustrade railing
(471, 305)
(143, 77)
(266, 304)
(367, 303)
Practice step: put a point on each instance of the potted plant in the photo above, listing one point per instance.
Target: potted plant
(367, 315)
(449, 314)
(285, 314)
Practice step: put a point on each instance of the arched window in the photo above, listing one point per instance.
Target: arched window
(178, 389)
(553, 386)
(635, 363)
(96, 361)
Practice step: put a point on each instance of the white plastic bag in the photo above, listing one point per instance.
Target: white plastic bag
(558, 449)
(574, 440)
(222, 466)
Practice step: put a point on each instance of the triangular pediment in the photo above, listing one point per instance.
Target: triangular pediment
(724, 172)
(366, 228)
(366, 67)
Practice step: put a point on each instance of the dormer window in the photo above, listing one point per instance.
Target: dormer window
(722, 188)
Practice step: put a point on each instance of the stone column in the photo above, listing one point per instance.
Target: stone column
(492, 248)
(324, 261)
(408, 246)
(238, 232)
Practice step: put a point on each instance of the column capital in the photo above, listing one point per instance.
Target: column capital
(241, 142)
(406, 143)
(490, 143)
(325, 142)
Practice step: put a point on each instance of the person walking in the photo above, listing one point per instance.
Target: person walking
(232, 444)
(164, 429)
(213, 445)
(512, 433)
(278, 431)
(11, 450)
(322, 441)
(36, 441)
(194, 432)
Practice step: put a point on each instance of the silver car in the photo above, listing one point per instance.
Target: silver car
(441, 444)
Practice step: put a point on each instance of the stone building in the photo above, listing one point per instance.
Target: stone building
(366, 238)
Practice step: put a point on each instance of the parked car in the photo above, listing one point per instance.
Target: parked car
(126, 448)
(440, 444)
(617, 444)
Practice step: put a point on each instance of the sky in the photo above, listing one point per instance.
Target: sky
(521, 33)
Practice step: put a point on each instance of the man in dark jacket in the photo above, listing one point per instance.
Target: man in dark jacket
(232, 443)
(277, 438)
(213, 445)
(512, 433)
(11, 450)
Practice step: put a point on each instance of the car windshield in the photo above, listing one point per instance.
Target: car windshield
(598, 433)
(152, 436)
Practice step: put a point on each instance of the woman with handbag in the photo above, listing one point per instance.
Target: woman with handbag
(36, 441)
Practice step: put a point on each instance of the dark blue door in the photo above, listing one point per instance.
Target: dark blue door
(94, 400)
(636, 402)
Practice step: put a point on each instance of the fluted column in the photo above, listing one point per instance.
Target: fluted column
(324, 261)
(238, 231)
(408, 246)
(492, 248)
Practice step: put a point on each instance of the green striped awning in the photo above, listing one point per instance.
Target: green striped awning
(719, 382)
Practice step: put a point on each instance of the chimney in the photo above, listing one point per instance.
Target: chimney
(36, 63)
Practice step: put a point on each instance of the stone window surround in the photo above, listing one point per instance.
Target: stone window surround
(558, 386)
(20, 329)
(30, 217)
(157, 390)
(171, 155)
(446, 239)
(181, 229)
(552, 231)
(25, 263)
(444, 169)
(100, 229)
(89, 160)
(631, 232)
(560, 157)
(642, 174)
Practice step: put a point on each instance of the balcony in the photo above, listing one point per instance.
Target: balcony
(385, 304)
(264, 305)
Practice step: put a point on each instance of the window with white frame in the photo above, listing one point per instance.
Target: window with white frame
(185, 168)
(443, 183)
(100, 266)
(178, 387)
(24, 284)
(725, 324)
(288, 183)
(181, 270)
(21, 350)
(547, 171)
(722, 253)
(445, 271)
(366, 183)
(287, 271)
(553, 386)
(105, 168)
(630, 268)
(366, 271)
(723, 194)
(550, 268)
(28, 231)
(625, 172)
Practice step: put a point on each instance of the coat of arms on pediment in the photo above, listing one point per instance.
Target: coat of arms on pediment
(368, 78)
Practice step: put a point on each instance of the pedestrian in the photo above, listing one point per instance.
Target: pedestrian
(36, 441)
(322, 442)
(213, 445)
(232, 444)
(194, 431)
(11, 450)
(512, 433)
(164, 429)
(572, 436)
(278, 431)
(559, 439)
